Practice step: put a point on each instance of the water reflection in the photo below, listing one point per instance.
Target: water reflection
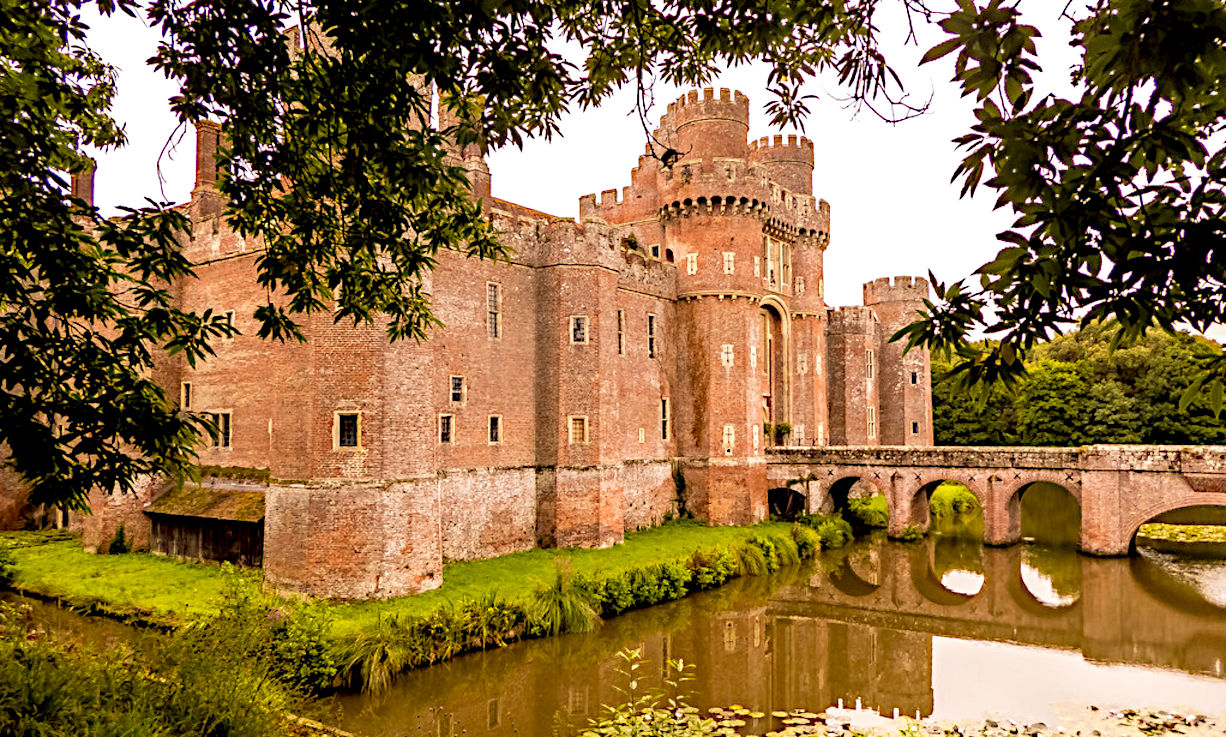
(876, 622)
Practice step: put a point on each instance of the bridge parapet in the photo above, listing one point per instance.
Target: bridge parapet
(1206, 459)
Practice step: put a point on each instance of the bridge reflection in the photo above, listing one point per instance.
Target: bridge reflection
(859, 626)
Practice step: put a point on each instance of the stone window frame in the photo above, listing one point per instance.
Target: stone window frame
(493, 430)
(691, 263)
(446, 420)
(642, 435)
(665, 419)
(800, 285)
(870, 417)
(914, 378)
(493, 713)
(757, 266)
(581, 322)
(225, 428)
(729, 262)
(570, 430)
(821, 433)
(493, 312)
(336, 429)
(798, 434)
(728, 438)
(651, 335)
(870, 364)
(817, 363)
(451, 390)
(727, 355)
(185, 395)
(914, 428)
(654, 250)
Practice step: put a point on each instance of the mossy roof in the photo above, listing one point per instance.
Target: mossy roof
(197, 501)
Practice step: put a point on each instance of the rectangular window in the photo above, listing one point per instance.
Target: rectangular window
(222, 420)
(872, 422)
(691, 263)
(868, 363)
(446, 429)
(578, 329)
(185, 395)
(753, 356)
(914, 378)
(621, 332)
(576, 429)
(664, 418)
(347, 428)
(817, 363)
(493, 716)
(729, 262)
(642, 435)
(800, 285)
(651, 335)
(726, 355)
(655, 251)
(798, 435)
(915, 428)
(757, 266)
(495, 429)
(786, 263)
(821, 433)
(458, 390)
(493, 310)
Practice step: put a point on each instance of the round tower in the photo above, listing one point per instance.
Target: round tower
(788, 162)
(708, 126)
(904, 380)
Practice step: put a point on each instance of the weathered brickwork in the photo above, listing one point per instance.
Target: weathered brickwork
(631, 363)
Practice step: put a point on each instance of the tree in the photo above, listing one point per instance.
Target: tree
(960, 418)
(1119, 192)
(331, 164)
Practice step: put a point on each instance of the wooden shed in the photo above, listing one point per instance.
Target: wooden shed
(199, 523)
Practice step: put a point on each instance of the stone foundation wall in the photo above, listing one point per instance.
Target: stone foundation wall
(487, 512)
(109, 511)
(649, 493)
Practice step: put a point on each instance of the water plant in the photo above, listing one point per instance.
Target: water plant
(910, 533)
(560, 606)
(751, 560)
(831, 529)
(870, 512)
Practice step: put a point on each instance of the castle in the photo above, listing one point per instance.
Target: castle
(616, 369)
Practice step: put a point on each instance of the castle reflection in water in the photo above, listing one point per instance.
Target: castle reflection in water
(858, 625)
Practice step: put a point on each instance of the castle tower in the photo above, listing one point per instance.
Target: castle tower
(851, 348)
(905, 380)
(788, 162)
(712, 214)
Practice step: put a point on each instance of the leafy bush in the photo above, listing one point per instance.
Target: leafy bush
(119, 544)
(788, 550)
(561, 606)
(751, 561)
(302, 658)
(953, 500)
(8, 565)
(710, 568)
(770, 554)
(808, 544)
(831, 529)
(910, 533)
(869, 512)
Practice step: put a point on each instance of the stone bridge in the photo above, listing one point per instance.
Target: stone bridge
(1118, 487)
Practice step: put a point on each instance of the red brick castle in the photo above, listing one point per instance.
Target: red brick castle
(618, 369)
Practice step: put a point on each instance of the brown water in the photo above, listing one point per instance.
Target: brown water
(943, 628)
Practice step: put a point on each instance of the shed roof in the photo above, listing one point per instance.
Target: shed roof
(196, 501)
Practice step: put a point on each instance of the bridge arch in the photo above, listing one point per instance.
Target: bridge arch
(1151, 512)
(917, 488)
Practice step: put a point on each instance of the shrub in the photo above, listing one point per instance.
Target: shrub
(119, 544)
(953, 500)
(710, 568)
(788, 550)
(770, 553)
(831, 529)
(808, 544)
(302, 658)
(910, 533)
(869, 512)
(751, 561)
(561, 606)
(8, 565)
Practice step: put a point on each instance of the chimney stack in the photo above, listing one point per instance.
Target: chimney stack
(208, 136)
(83, 183)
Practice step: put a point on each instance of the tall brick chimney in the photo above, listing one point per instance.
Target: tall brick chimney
(83, 183)
(206, 200)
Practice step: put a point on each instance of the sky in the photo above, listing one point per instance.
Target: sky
(894, 210)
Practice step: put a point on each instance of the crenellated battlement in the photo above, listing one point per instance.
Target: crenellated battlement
(896, 289)
(723, 104)
(779, 144)
(854, 320)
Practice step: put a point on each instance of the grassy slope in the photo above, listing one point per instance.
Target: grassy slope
(164, 590)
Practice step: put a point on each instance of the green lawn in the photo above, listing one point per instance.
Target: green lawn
(163, 590)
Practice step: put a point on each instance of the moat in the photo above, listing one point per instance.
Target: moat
(944, 627)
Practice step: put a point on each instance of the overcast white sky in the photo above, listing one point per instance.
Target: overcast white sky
(894, 210)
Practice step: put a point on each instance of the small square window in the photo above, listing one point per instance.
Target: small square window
(185, 395)
(347, 430)
(655, 251)
(578, 329)
(915, 428)
(458, 390)
(495, 429)
(446, 429)
(576, 427)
